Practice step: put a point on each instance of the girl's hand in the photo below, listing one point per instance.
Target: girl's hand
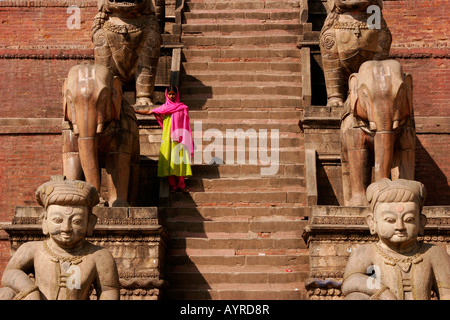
(143, 112)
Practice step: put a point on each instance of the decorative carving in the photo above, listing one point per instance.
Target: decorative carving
(338, 220)
(127, 40)
(323, 288)
(346, 41)
(377, 128)
(101, 131)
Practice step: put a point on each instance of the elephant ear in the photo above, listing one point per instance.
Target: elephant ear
(353, 92)
(68, 108)
(65, 111)
(117, 98)
(409, 91)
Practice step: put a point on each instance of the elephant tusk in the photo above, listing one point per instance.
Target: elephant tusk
(100, 128)
(395, 125)
(86, 138)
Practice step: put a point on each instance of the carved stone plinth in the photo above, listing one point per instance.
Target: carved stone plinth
(334, 232)
(133, 235)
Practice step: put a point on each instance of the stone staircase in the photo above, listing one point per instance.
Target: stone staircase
(237, 233)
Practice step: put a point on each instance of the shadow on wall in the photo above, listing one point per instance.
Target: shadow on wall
(193, 92)
(329, 183)
(317, 13)
(428, 172)
(148, 183)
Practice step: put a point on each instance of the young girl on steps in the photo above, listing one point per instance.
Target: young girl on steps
(177, 147)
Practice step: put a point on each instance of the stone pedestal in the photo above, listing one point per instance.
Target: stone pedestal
(133, 235)
(334, 232)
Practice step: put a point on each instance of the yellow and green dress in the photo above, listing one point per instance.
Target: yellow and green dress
(174, 158)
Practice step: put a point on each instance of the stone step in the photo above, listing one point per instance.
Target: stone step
(186, 279)
(257, 251)
(213, 162)
(235, 40)
(284, 244)
(246, 116)
(221, 171)
(262, 269)
(239, 103)
(208, 29)
(249, 54)
(268, 162)
(241, 16)
(231, 146)
(241, 5)
(291, 89)
(244, 213)
(239, 292)
(197, 184)
(296, 196)
(204, 78)
(289, 66)
(289, 128)
(279, 261)
(247, 229)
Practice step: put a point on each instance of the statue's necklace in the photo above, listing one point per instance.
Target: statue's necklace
(403, 263)
(126, 28)
(65, 263)
(75, 259)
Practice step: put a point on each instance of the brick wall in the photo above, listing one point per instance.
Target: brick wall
(37, 49)
(421, 44)
(26, 161)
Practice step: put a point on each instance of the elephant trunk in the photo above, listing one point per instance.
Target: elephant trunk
(88, 150)
(384, 150)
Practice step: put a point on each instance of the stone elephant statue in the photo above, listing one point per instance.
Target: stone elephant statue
(127, 39)
(377, 128)
(101, 131)
(347, 40)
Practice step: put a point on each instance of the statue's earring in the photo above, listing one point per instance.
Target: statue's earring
(371, 223)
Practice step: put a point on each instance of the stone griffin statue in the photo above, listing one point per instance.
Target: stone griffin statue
(351, 35)
(127, 39)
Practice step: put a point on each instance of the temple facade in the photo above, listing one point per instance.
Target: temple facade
(265, 216)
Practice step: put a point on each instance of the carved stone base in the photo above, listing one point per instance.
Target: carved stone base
(334, 232)
(133, 235)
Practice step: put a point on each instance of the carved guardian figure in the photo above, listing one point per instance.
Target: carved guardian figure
(347, 40)
(398, 266)
(127, 40)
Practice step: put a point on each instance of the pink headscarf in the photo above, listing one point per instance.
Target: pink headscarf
(180, 130)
